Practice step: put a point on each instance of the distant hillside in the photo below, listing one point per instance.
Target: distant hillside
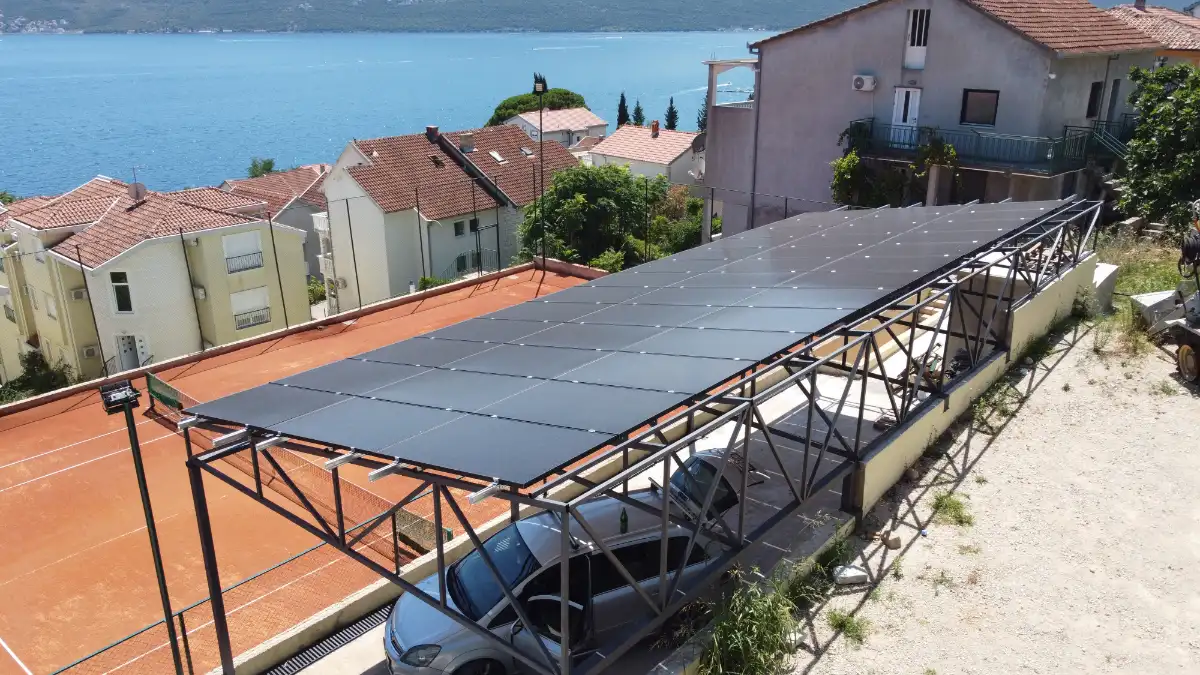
(414, 15)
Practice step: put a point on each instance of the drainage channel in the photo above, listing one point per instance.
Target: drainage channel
(332, 643)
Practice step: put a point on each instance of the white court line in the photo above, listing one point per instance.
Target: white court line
(65, 447)
(238, 608)
(14, 656)
(76, 466)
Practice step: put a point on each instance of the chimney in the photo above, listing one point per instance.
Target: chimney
(466, 142)
(1139, 5)
(654, 129)
(431, 132)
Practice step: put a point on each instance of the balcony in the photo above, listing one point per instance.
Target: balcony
(255, 317)
(10, 314)
(976, 149)
(743, 105)
(241, 263)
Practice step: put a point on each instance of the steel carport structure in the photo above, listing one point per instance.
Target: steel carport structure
(1012, 244)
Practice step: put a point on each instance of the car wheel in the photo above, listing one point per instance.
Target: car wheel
(1185, 358)
(485, 667)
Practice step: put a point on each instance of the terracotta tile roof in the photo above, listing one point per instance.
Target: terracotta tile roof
(85, 204)
(402, 166)
(587, 143)
(221, 200)
(21, 207)
(638, 143)
(1065, 26)
(1068, 26)
(128, 224)
(568, 119)
(1175, 30)
(281, 188)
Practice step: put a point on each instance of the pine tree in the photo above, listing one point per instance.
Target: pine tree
(639, 115)
(702, 117)
(622, 112)
(671, 118)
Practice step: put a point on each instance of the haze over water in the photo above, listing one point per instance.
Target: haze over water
(190, 110)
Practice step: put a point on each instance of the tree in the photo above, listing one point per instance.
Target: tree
(622, 112)
(1163, 160)
(7, 197)
(671, 117)
(554, 99)
(639, 115)
(260, 167)
(37, 377)
(702, 117)
(590, 210)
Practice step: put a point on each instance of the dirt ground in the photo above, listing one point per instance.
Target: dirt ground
(1084, 552)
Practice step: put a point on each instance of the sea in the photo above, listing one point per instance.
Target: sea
(190, 110)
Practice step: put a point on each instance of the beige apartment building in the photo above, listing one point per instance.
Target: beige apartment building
(109, 277)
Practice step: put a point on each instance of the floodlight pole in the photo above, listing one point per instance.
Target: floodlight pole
(140, 471)
(208, 551)
(539, 87)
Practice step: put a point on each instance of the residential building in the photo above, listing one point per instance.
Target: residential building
(1192, 9)
(651, 151)
(566, 127)
(437, 204)
(109, 276)
(291, 198)
(1027, 91)
(1178, 32)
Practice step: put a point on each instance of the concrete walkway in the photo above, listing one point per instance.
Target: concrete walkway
(363, 656)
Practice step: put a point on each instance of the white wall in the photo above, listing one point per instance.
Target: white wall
(369, 255)
(163, 312)
(637, 168)
(564, 138)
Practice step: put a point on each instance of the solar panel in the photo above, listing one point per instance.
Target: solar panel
(529, 389)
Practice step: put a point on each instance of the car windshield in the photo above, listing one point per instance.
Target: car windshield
(472, 586)
(694, 481)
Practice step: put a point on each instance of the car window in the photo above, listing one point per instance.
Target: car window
(547, 581)
(694, 481)
(472, 585)
(642, 562)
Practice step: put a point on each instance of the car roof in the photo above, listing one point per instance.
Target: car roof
(542, 532)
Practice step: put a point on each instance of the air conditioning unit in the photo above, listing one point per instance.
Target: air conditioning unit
(91, 351)
(864, 83)
(341, 282)
(199, 292)
(194, 242)
(79, 294)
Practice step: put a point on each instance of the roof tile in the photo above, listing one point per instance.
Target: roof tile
(568, 119)
(1175, 30)
(280, 188)
(638, 143)
(221, 200)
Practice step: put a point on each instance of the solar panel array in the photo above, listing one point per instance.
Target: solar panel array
(518, 393)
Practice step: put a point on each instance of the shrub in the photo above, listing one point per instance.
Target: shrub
(610, 261)
(427, 283)
(316, 290)
(751, 633)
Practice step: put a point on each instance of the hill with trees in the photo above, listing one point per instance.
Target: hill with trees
(415, 15)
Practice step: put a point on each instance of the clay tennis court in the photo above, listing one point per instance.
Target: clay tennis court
(75, 567)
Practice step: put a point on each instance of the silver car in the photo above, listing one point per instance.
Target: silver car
(420, 640)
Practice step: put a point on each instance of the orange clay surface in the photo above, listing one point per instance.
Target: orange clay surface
(75, 566)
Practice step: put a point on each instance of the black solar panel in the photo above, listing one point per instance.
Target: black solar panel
(526, 390)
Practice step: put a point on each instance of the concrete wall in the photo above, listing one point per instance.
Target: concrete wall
(76, 319)
(1030, 321)
(637, 168)
(563, 138)
(13, 333)
(299, 216)
(351, 211)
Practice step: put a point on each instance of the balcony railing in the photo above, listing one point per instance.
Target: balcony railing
(1032, 154)
(748, 105)
(10, 314)
(241, 263)
(256, 317)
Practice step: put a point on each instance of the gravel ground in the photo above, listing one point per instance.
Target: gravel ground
(1084, 554)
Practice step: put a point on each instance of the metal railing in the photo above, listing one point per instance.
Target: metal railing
(1121, 128)
(1035, 154)
(472, 262)
(241, 263)
(10, 314)
(255, 317)
(748, 105)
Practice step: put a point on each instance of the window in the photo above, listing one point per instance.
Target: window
(496, 156)
(460, 263)
(1094, 97)
(1, 263)
(642, 562)
(51, 307)
(123, 299)
(251, 307)
(474, 224)
(470, 583)
(460, 228)
(1114, 99)
(39, 251)
(979, 107)
(243, 251)
(31, 295)
(917, 39)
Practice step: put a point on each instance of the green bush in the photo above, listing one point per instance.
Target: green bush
(37, 377)
(427, 283)
(316, 290)
(610, 261)
(751, 633)
(554, 99)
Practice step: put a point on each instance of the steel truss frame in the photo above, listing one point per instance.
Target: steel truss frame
(1034, 255)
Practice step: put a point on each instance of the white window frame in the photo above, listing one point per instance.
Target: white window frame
(460, 228)
(51, 307)
(234, 300)
(31, 295)
(916, 38)
(112, 290)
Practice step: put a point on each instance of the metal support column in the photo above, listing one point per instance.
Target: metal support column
(211, 573)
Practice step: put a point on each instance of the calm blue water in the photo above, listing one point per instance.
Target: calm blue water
(191, 110)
